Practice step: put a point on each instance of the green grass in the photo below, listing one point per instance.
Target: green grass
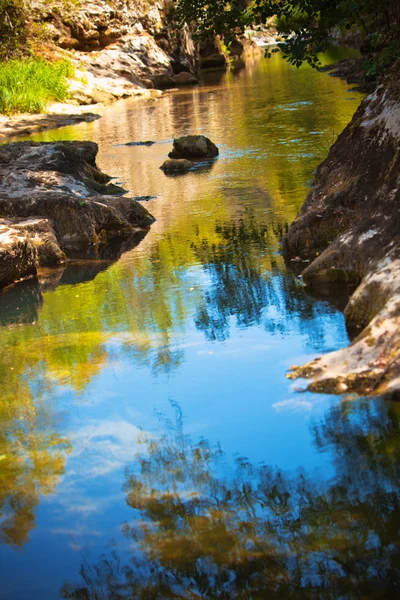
(30, 85)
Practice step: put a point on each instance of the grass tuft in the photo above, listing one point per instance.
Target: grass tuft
(29, 85)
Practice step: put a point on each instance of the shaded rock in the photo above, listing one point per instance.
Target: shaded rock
(18, 256)
(350, 227)
(176, 165)
(41, 233)
(215, 61)
(164, 82)
(236, 48)
(144, 198)
(194, 146)
(95, 220)
(185, 78)
(147, 143)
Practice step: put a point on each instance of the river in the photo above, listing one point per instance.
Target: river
(151, 445)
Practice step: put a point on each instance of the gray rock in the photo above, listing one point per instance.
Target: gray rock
(194, 146)
(55, 203)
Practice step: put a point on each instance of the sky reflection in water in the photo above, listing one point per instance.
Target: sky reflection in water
(202, 319)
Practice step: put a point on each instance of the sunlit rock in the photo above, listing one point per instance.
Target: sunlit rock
(350, 227)
(194, 146)
(54, 202)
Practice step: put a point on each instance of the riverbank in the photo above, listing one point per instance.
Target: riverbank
(349, 229)
(117, 52)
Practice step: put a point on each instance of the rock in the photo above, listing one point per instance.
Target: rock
(54, 202)
(88, 221)
(146, 143)
(41, 233)
(18, 256)
(54, 166)
(236, 48)
(164, 82)
(177, 165)
(148, 84)
(185, 78)
(194, 146)
(350, 227)
(68, 43)
(215, 61)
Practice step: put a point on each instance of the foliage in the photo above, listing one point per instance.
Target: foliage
(13, 31)
(306, 26)
(29, 85)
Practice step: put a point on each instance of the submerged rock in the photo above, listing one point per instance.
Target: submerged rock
(176, 165)
(194, 147)
(350, 227)
(55, 203)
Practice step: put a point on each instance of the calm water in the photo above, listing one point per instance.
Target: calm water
(151, 445)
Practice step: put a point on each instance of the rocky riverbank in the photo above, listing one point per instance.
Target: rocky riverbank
(56, 204)
(349, 227)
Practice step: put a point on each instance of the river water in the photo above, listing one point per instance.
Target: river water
(151, 445)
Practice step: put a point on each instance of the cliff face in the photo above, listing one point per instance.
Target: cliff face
(119, 46)
(349, 227)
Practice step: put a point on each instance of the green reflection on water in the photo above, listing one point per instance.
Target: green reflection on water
(211, 256)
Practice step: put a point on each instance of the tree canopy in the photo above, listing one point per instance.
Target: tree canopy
(306, 26)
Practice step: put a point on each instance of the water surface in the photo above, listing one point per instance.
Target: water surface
(151, 445)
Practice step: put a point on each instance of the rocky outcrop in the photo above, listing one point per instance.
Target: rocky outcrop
(120, 48)
(55, 203)
(349, 227)
(194, 147)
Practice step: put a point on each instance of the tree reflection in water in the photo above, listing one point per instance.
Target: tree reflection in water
(249, 284)
(259, 532)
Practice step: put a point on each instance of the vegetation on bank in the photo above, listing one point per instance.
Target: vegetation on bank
(306, 27)
(29, 85)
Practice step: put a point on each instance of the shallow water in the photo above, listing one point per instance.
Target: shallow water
(132, 392)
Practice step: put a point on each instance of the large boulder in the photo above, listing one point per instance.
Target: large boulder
(55, 203)
(349, 227)
(53, 166)
(94, 220)
(194, 147)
